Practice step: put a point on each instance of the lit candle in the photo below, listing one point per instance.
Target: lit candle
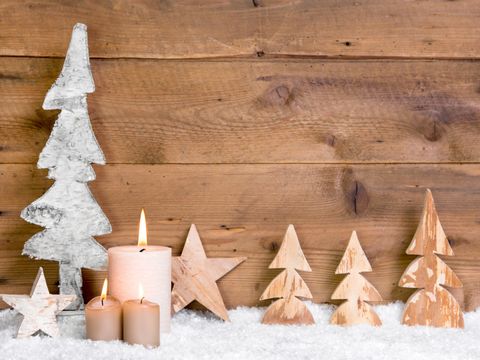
(103, 315)
(150, 265)
(141, 323)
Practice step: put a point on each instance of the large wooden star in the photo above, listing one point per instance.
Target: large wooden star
(40, 309)
(194, 276)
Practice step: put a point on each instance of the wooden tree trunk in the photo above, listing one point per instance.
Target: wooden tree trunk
(71, 284)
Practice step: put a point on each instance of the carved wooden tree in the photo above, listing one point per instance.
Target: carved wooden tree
(355, 288)
(68, 210)
(432, 305)
(288, 285)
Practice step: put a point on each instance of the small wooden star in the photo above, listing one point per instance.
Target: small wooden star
(194, 276)
(39, 310)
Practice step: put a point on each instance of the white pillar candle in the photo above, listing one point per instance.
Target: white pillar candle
(130, 266)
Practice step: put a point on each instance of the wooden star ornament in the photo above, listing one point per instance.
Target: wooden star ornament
(40, 309)
(195, 276)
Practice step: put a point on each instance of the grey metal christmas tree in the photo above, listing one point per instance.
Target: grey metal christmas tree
(68, 211)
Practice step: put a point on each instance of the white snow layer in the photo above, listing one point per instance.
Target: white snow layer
(198, 335)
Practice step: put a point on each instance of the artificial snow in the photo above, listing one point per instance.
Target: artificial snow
(198, 335)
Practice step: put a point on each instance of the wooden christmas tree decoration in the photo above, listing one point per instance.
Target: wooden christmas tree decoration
(194, 276)
(68, 210)
(288, 285)
(432, 305)
(355, 288)
(39, 310)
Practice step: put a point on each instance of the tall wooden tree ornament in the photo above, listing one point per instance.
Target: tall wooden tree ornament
(288, 285)
(355, 288)
(432, 305)
(68, 210)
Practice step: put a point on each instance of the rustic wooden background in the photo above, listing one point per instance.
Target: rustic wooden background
(243, 116)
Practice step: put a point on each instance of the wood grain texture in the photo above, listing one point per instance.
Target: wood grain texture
(287, 111)
(354, 259)
(221, 28)
(242, 210)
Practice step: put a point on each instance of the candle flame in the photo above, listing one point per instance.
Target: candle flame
(104, 290)
(141, 293)
(142, 230)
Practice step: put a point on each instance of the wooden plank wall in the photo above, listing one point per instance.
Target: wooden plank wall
(245, 116)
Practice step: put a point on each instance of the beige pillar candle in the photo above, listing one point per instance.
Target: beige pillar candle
(141, 323)
(128, 266)
(103, 316)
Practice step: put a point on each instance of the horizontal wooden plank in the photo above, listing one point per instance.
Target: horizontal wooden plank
(244, 210)
(147, 111)
(219, 28)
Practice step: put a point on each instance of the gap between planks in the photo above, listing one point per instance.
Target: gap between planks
(358, 163)
(265, 57)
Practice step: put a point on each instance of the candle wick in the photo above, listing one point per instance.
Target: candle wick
(143, 250)
(102, 301)
(141, 300)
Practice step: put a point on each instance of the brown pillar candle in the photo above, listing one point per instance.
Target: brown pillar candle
(103, 316)
(141, 322)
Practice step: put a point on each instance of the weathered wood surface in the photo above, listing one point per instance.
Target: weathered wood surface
(219, 28)
(287, 111)
(242, 210)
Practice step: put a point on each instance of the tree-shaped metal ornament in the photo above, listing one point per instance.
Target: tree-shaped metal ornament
(288, 285)
(68, 211)
(355, 288)
(432, 305)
